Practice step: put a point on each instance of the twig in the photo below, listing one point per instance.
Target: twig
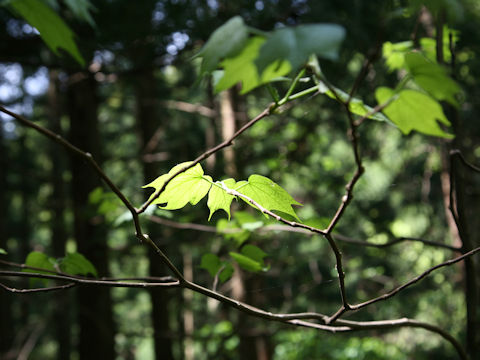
(60, 140)
(456, 152)
(46, 289)
(414, 280)
(206, 154)
(87, 281)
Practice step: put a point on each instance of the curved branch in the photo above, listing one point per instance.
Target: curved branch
(414, 280)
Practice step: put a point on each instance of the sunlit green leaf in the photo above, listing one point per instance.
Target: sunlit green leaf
(394, 54)
(267, 194)
(77, 264)
(51, 27)
(3, 252)
(413, 110)
(218, 199)
(296, 44)
(241, 68)
(224, 42)
(432, 78)
(190, 186)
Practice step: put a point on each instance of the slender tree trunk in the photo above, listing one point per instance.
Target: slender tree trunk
(57, 203)
(148, 124)
(463, 205)
(95, 318)
(7, 328)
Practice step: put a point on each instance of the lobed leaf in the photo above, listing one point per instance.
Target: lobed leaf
(432, 77)
(413, 110)
(190, 186)
(218, 199)
(268, 194)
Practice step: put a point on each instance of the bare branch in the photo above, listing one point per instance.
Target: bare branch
(456, 152)
(206, 154)
(88, 281)
(414, 280)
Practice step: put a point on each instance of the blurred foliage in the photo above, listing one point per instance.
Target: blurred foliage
(304, 150)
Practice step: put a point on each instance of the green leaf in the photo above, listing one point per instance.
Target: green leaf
(296, 44)
(413, 110)
(394, 54)
(52, 28)
(189, 186)
(81, 9)
(231, 231)
(268, 194)
(356, 106)
(3, 252)
(226, 273)
(213, 264)
(218, 199)
(226, 41)
(432, 78)
(40, 260)
(77, 264)
(241, 68)
(251, 258)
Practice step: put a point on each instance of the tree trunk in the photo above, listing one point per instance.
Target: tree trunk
(7, 328)
(96, 326)
(148, 125)
(57, 204)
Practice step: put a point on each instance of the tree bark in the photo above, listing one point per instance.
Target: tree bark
(7, 327)
(148, 125)
(95, 318)
(57, 204)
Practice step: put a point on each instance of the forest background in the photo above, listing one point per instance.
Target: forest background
(132, 95)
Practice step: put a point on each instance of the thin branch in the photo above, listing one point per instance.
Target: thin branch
(395, 241)
(46, 289)
(72, 148)
(206, 154)
(60, 140)
(414, 280)
(87, 281)
(288, 228)
(190, 108)
(456, 152)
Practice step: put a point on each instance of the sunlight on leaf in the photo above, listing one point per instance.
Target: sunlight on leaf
(268, 194)
(242, 69)
(190, 186)
(218, 199)
(413, 110)
(432, 77)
